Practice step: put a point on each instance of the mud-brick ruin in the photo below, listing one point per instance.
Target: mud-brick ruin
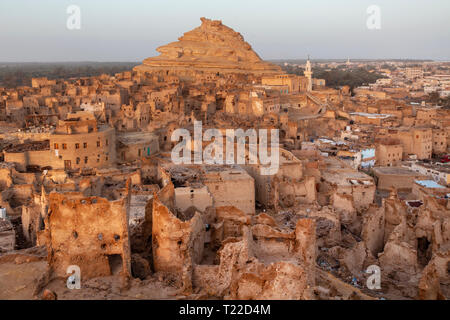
(87, 179)
(230, 254)
(99, 243)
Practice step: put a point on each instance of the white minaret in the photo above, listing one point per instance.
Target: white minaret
(308, 75)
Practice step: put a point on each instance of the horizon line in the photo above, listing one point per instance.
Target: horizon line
(274, 59)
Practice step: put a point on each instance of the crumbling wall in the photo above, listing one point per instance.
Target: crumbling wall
(395, 214)
(242, 274)
(31, 222)
(143, 241)
(433, 274)
(199, 198)
(288, 186)
(14, 197)
(20, 194)
(33, 216)
(399, 256)
(228, 192)
(55, 176)
(91, 186)
(23, 177)
(373, 229)
(7, 236)
(91, 233)
(4, 201)
(303, 191)
(231, 221)
(266, 191)
(176, 244)
(355, 258)
(6, 180)
(278, 281)
(274, 244)
(343, 203)
(305, 245)
(363, 196)
(433, 223)
(328, 226)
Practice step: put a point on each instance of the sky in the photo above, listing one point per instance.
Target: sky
(131, 30)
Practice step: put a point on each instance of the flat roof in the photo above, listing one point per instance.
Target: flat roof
(441, 167)
(29, 146)
(136, 137)
(340, 174)
(224, 172)
(396, 171)
(429, 184)
(371, 115)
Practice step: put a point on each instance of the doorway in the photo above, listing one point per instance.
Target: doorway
(115, 263)
(67, 164)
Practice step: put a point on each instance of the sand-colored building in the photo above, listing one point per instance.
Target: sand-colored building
(415, 141)
(133, 146)
(89, 232)
(439, 141)
(398, 178)
(80, 142)
(290, 80)
(389, 153)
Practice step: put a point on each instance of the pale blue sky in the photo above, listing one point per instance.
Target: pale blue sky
(131, 30)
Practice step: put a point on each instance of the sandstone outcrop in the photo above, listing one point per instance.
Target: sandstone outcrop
(212, 47)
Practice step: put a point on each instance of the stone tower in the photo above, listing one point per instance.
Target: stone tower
(308, 75)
